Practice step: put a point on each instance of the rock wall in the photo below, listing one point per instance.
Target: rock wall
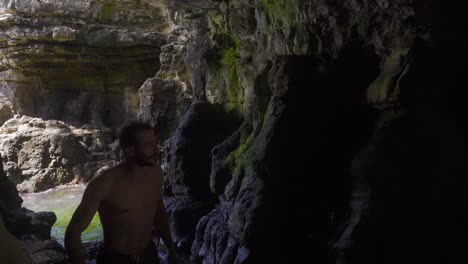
(78, 67)
(297, 132)
(349, 149)
(79, 61)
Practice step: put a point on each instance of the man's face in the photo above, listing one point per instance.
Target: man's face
(147, 152)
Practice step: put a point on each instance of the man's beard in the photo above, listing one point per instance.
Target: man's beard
(146, 162)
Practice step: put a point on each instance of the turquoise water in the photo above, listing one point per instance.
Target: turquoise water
(63, 201)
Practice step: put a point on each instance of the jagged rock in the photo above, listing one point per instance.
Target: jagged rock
(23, 222)
(235, 59)
(212, 236)
(41, 154)
(92, 250)
(5, 109)
(185, 215)
(9, 197)
(44, 251)
(220, 172)
(162, 103)
(33, 229)
(203, 126)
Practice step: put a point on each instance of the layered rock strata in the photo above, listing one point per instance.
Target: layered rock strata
(79, 61)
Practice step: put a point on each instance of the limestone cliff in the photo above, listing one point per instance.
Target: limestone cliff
(79, 61)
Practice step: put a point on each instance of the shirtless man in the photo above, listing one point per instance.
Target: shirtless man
(128, 198)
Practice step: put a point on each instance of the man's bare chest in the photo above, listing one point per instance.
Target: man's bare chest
(126, 196)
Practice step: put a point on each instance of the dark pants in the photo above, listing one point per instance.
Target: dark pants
(148, 256)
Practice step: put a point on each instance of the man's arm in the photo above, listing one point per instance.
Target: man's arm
(161, 221)
(80, 220)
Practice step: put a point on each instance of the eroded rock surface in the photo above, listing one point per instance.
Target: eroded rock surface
(40, 154)
(313, 82)
(79, 61)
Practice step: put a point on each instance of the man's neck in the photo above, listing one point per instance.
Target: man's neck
(136, 169)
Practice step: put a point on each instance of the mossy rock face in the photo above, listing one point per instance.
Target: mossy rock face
(224, 66)
(107, 11)
(283, 14)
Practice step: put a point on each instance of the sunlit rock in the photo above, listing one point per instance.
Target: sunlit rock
(40, 154)
(77, 60)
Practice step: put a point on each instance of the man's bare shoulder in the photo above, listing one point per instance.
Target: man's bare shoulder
(106, 178)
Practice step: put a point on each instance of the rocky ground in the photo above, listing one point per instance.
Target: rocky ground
(32, 229)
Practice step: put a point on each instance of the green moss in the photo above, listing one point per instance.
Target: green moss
(282, 13)
(235, 159)
(223, 6)
(137, 2)
(223, 62)
(217, 23)
(185, 75)
(107, 11)
(63, 219)
(229, 58)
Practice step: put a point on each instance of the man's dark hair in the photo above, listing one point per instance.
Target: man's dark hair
(127, 135)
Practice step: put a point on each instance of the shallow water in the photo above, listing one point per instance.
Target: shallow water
(63, 201)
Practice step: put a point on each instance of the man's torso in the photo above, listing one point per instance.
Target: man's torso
(127, 212)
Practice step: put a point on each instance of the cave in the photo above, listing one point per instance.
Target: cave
(291, 131)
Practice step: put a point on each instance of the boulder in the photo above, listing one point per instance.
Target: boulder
(9, 196)
(40, 154)
(44, 251)
(6, 111)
